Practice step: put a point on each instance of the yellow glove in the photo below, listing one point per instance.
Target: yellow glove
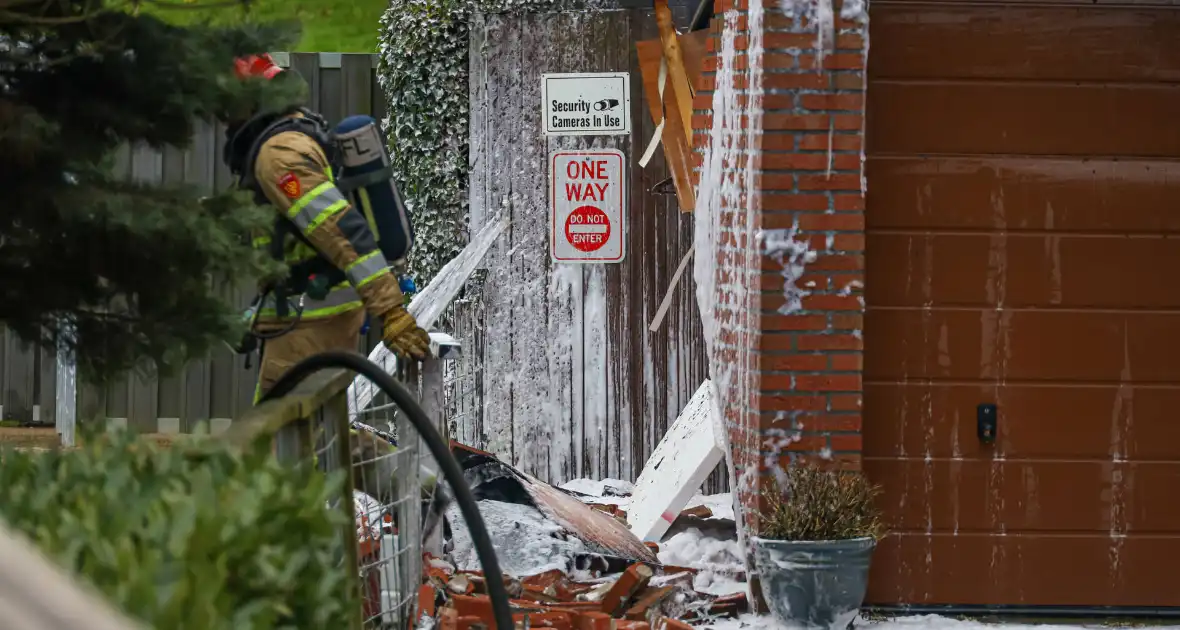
(402, 334)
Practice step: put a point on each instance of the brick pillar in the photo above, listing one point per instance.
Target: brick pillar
(804, 349)
(812, 172)
(736, 300)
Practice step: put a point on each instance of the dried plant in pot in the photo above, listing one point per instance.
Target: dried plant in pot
(817, 537)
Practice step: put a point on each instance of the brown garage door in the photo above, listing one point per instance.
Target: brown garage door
(1023, 250)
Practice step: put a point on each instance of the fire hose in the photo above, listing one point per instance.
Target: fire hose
(448, 465)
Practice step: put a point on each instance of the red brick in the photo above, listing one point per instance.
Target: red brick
(846, 362)
(811, 343)
(813, 202)
(828, 383)
(847, 222)
(823, 422)
(837, 262)
(850, 41)
(778, 141)
(840, 141)
(812, 122)
(593, 621)
(778, 101)
(846, 402)
(667, 623)
(835, 461)
(802, 41)
(846, 442)
(633, 580)
(782, 383)
(816, 242)
(849, 202)
(653, 597)
(847, 81)
(771, 323)
(426, 597)
(813, 282)
(793, 362)
(848, 122)
(553, 619)
(832, 101)
(795, 161)
(847, 321)
(808, 442)
(835, 181)
(778, 181)
(835, 61)
(780, 61)
(831, 303)
(793, 80)
(846, 162)
(849, 243)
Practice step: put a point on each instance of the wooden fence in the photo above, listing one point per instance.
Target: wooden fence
(564, 378)
(574, 383)
(218, 388)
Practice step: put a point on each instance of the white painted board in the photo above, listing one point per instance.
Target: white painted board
(427, 306)
(587, 202)
(677, 468)
(586, 104)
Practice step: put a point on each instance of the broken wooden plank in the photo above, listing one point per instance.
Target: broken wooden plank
(427, 306)
(677, 468)
(676, 136)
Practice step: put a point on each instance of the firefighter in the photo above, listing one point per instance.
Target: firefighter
(283, 156)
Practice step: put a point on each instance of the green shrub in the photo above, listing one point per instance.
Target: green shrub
(821, 505)
(194, 536)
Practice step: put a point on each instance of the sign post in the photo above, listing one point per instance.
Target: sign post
(587, 198)
(586, 104)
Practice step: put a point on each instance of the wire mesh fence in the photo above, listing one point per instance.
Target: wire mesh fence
(398, 498)
(390, 485)
(463, 377)
(386, 481)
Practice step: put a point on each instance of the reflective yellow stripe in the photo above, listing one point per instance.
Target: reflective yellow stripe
(326, 214)
(317, 206)
(367, 208)
(367, 268)
(341, 299)
(297, 251)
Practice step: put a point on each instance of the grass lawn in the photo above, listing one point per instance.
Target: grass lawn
(347, 26)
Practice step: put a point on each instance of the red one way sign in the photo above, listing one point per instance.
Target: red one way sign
(587, 200)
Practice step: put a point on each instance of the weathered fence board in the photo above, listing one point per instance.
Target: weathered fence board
(575, 385)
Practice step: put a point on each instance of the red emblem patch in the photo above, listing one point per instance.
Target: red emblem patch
(289, 185)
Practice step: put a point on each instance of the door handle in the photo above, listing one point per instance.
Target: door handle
(986, 420)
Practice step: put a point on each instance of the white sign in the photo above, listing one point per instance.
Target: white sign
(587, 198)
(590, 104)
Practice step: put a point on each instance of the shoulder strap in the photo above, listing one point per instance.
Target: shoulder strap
(310, 124)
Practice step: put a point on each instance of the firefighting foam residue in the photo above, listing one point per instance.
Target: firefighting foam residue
(1121, 476)
(793, 256)
(719, 254)
(996, 350)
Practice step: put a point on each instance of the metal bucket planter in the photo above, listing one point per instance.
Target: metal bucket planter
(814, 584)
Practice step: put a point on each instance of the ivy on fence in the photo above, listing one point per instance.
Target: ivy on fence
(423, 71)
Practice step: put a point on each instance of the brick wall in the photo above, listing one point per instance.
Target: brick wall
(805, 398)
